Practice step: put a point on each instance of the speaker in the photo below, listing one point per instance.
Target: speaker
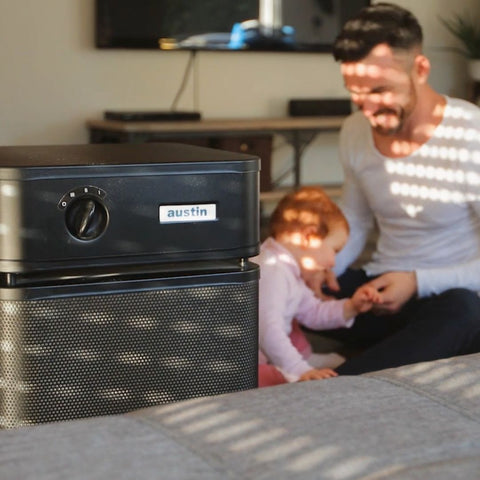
(110, 346)
(319, 107)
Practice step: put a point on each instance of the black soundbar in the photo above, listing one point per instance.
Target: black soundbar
(151, 116)
(309, 107)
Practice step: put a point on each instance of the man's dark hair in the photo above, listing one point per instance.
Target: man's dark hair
(376, 24)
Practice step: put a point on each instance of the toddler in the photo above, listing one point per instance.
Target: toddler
(307, 229)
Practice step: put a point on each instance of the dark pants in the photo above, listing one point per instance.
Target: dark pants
(425, 329)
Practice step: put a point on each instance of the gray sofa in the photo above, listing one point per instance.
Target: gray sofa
(415, 422)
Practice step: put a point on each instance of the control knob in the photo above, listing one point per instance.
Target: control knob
(86, 218)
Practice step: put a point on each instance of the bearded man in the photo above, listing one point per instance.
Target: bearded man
(411, 160)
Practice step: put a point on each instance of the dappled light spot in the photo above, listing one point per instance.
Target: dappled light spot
(310, 459)
(281, 450)
(257, 439)
(349, 468)
(214, 420)
(232, 430)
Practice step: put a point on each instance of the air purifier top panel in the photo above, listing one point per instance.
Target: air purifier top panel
(63, 160)
(114, 204)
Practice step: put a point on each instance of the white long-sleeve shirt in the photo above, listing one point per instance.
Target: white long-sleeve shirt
(283, 296)
(426, 205)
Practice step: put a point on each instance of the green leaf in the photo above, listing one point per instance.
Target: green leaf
(467, 30)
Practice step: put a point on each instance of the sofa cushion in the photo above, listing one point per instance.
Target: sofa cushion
(453, 382)
(420, 421)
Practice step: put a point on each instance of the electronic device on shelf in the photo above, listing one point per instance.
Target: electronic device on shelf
(151, 115)
(314, 107)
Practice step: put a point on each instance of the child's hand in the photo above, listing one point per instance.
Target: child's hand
(317, 374)
(365, 297)
(362, 301)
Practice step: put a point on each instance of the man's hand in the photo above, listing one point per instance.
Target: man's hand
(317, 374)
(396, 289)
(364, 298)
(316, 280)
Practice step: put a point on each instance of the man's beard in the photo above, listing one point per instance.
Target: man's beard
(383, 130)
(402, 113)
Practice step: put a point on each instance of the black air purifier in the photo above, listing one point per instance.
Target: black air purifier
(125, 279)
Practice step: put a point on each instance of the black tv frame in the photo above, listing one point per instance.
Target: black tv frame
(107, 36)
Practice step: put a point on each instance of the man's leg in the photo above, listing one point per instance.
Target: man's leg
(436, 327)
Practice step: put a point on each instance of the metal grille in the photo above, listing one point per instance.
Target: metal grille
(82, 356)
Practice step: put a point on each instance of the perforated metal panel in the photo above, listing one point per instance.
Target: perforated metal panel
(87, 355)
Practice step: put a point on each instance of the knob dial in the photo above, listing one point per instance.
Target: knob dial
(86, 218)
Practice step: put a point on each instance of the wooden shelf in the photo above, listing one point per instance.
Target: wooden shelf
(298, 131)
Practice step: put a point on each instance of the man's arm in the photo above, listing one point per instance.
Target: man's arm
(354, 206)
(398, 287)
(437, 280)
(460, 275)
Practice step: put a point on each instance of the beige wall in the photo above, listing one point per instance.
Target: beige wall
(52, 78)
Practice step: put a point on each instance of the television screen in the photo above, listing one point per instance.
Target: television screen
(294, 25)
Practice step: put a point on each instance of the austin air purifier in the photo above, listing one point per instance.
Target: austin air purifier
(125, 279)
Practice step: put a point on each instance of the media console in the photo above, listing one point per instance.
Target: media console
(246, 135)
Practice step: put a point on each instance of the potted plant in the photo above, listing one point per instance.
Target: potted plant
(467, 30)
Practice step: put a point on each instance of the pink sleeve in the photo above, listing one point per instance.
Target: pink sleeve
(276, 295)
(321, 314)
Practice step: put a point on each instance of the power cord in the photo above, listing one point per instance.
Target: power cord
(191, 65)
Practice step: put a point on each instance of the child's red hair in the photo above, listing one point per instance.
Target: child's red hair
(308, 209)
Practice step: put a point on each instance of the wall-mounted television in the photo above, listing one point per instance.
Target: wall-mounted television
(225, 25)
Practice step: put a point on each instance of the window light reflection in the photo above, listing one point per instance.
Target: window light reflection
(472, 392)
(232, 430)
(445, 171)
(9, 308)
(396, 167)
(9, 190)
(444, 376)
(260, 438)
(7, 346)
(251, 443)
(215, 420)
(239, 434)
(430, 193)
(277, 452)
(313, 458)
(116, 394)
(296, 238)
(186, 414)
(308, 263)
(456, 382)
(353, 464)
